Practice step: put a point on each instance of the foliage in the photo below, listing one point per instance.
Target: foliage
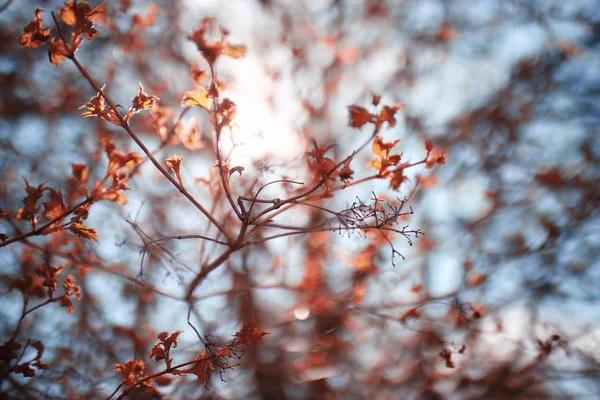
(294, 269)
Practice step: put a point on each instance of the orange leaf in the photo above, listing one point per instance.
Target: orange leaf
(382, 149)
(81, 16)
(235, 51)
(197, 97)
(34, 33)
(250, 333)
(55, 208)
(30, 202)
(197, 74)
(141, 102)
(435, 157)
(359, 116)
(397, 178)
(428, 145)
(174, 162)
(388, 115)
(84, 232)
(57, 51)
(80, 172)
(202, 368)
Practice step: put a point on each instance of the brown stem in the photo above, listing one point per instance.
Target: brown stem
(217, 127)
(236, 245)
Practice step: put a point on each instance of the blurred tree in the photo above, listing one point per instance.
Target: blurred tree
(256, 207)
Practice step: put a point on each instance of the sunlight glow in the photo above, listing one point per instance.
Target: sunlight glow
(301, 312)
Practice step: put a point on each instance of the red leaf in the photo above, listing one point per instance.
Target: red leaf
(250, 333)
(359, 116)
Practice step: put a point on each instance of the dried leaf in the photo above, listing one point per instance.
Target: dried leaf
(174, 162)
(428, 145)
(197, 97)
(141, 102)
(239, 169)
(57, 51)
(250, 333)
(387, 114)
(381, 148)
(235, 51)
(29, 209)
(345, 173)
(34, 33)
(55, 208)
(81, 16)
(84, 232)
(359, 116)
(202, 368)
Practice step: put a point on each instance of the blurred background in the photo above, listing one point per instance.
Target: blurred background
(500, 298)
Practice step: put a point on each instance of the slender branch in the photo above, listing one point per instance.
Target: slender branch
(238, 244)
(183, 237)
(40, 230)
(138, 141)
(218, 127)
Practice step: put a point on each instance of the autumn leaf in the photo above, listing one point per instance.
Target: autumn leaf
(118, 159)
(196, 74)
(396, 178)
(49, 275)
(34, 33)
(174, 162)
(212, 49)
(96, 107)
(162, 347)
(239, 169)
(435, 157)
(197, 97)
(80, 172)
(27, 212)
(84, 232)
(202, 368)
(131, 371)
(141, 102)
(234, 51)
(250, 333)
(428, 145)
(55, 208)
(384, 159)
(57, 51)
(81, 16)
(387, 114)
(359, 116)
(381, 148)
(227, 112)
(364, 262)
(9, 350)
(81, 213)
(346, 172)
